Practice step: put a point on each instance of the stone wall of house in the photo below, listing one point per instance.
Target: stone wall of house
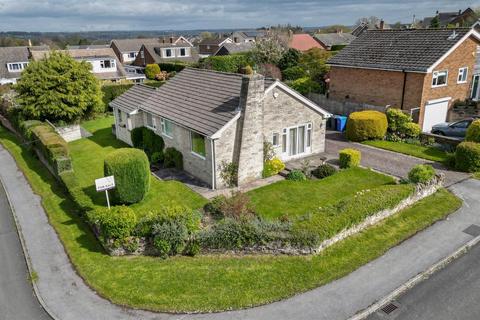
(282, 111)
(226, 150)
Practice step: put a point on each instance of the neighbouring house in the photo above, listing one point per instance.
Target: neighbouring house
(88, 46)
(13, 60)
(421, 71)
(178, 51)
(214, 118)
(303, 42)
(364, 26)
(105, 65)
(208, 47)
(233, 48)
(457, 19)
(127, 49)
(336, 40)
(247, 36)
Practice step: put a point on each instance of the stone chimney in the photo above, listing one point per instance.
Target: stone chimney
(250, 154)
(382, 24)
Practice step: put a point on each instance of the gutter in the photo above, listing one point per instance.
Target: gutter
(214, 174)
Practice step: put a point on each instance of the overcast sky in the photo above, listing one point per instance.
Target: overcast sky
(85, 15)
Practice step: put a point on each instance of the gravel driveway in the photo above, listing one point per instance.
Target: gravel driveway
(395, 164)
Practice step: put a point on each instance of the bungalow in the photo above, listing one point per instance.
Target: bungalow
(208, 47)
(214, 117)
(421, 71)
(456, 19)
(104, 62)
(336, 40)
(232, 48)
(303, 42)
(13, 60)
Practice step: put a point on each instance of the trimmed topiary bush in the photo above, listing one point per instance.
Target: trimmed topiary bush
(272, 167)
(151, 70)
(421, 173)
(131, 170)
(137, 137)
(349, 158)
(467, 157)
(296, 175)
(323, 171)
(411, 130)
(473, 132)
(366, 125)
(172, 158)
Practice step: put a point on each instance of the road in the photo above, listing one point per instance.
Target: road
(17, 300)
(450, 294)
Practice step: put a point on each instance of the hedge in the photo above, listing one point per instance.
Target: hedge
(148, 141)
(230, 63)
(473, 132)
(366, 125)
(112, 91)
(173, 158)
(349, 158)
(467, 157)
(172, 66)
(131, 170)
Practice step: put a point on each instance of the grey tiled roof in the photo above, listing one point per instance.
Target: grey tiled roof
(133, 98)
(238, 47)
(212, 41)
(332, 39)
(129, 45)
(14, 54)
(409, 50)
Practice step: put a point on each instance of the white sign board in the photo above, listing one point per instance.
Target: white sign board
(105, 183)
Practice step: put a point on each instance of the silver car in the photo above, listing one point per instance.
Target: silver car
(457, 129)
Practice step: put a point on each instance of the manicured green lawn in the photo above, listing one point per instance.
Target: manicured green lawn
(296, 198)
(213, 283)
(88, 154)
(428, 153)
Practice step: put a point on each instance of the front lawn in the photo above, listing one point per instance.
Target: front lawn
(87, 157)
(213, 283)
(428, 153)
(297, 198)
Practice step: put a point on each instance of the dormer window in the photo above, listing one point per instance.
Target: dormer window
(107, 64)
(16, 66)
(132, 54)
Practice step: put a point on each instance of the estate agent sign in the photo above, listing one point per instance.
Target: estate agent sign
(105, 184)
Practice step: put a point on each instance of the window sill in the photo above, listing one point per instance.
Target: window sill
(198, 155)
(440, 86)
(166, 136)
(462, 82)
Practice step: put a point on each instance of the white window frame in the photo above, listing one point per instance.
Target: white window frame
(111, 61)
(436, 75)
(184, 51)
(475, 92)
(21, 66)
(275, 139)
(154, 122)
(286, 141)
(462, 74)
(163, 126)
(172, 55)
(132, 54)
(191, 146)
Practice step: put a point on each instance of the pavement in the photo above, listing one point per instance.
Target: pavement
(452, 293)
(389, 162)
(63, 293)
(17, 299)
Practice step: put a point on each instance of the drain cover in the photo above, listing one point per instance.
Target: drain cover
(389, 308)
(473, 230)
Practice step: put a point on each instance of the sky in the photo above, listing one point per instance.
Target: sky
(106, 15)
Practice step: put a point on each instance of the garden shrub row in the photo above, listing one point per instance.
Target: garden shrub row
(148, 141)
(230, 63)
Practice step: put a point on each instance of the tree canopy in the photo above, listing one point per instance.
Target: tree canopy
(58, 88)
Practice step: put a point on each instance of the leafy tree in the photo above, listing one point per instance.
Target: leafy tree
(268, 50)
(289, 59)
(435, 22)
(151, 70)
(314, 62)
(58, 88)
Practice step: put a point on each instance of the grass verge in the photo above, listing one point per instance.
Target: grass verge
(428, 153)
(213, 283)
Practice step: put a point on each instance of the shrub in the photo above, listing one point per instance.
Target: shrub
(366, 125)
(247, 70)
(214, 207)
(192, 248)
(421, 173)
(27, 126)
(473, 132)
(237, 206)
(151, 70)
(162, 246)
(173, 158)
(230, 63)
(175, 66)
(411, 130)
(397, 119)
(137, 137)
(323, 171)
(131, 170)
(272, 167)
(172, 232)
(117, 223)
(306, 85)
(296, 175)
(349, 158)
(294, 73)
(467, 156)
(229, 173)
(147, 140)
(156, 157)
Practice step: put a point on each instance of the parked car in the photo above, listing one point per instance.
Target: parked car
(457, 129)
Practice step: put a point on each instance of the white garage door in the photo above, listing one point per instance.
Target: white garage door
(435, 113)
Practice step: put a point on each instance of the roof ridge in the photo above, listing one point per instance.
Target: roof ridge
(418, 29)
(215, 71)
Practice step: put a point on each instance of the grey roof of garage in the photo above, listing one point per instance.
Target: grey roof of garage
(132, 99)
(202, 100)
(410, 50)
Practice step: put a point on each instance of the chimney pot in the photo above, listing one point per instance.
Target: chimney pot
(382, 24)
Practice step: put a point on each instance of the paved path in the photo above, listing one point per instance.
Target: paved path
(17, 300)
(452, 293)
(386, 161)
(67, 297)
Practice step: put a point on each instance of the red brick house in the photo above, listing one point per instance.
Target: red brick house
(422, 71)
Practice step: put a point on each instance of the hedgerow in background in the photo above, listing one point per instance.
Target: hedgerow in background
(58, 88)
(421, 173)
(231, 63)
(349, 158)
(467, 157)
(151, 70)
(131, 170)
(473, 132)
(366, 125)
